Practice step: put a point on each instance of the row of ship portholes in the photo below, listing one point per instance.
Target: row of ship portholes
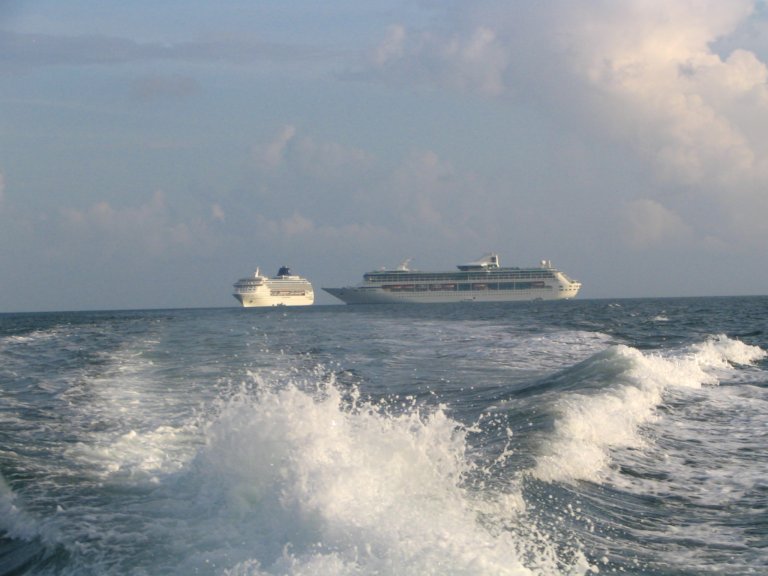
(465, 287)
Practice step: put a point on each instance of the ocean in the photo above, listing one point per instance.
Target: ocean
(544, 438)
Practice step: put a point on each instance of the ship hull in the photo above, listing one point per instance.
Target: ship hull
(368, 295)
(259, 301)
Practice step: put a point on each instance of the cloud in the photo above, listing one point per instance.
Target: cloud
(292, 151)
(147, 229)
(2, 190)
(392, 47)
(475, 61)
(419, 194)
(217, 213)
(679, 96)
(651, 62)
(641, 74)
(651, 224)
(329, 159)
(273, 154)
(296, 225)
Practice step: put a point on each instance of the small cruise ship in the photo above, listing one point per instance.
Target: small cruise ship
(484, 280)
(283, 289)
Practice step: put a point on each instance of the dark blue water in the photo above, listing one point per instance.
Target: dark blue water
(577, 437)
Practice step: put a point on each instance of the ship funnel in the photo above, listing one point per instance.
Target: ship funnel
(405, 265)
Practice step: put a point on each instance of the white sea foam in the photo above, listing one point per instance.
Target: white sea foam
(132, 429)
(590, 425)
(142, 456)
(31, 337)
(319, 488)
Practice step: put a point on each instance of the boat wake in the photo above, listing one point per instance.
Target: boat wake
(621, 390)
(287, 465)
(325, 486)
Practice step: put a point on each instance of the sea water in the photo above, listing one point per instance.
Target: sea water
(580, 437)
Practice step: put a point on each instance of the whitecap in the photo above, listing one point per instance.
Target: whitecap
(589, 426)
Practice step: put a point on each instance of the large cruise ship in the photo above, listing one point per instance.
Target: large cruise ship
(284, 289)
(484, 280)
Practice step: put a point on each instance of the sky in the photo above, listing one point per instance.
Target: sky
(152, 153)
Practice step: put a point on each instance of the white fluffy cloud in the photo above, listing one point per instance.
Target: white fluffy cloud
(683, 103)
(643, 74)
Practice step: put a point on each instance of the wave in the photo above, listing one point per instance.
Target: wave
(25, 539)
(291, 476)
(620, 391)
(157, 467)
(321, 485)
(14, 521)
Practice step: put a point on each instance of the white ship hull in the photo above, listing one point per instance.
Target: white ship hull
(364, 295)
(482, 281)
(256, 300)
(282, 290)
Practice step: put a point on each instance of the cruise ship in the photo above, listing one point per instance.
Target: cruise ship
(484, 280)
(283, 289)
